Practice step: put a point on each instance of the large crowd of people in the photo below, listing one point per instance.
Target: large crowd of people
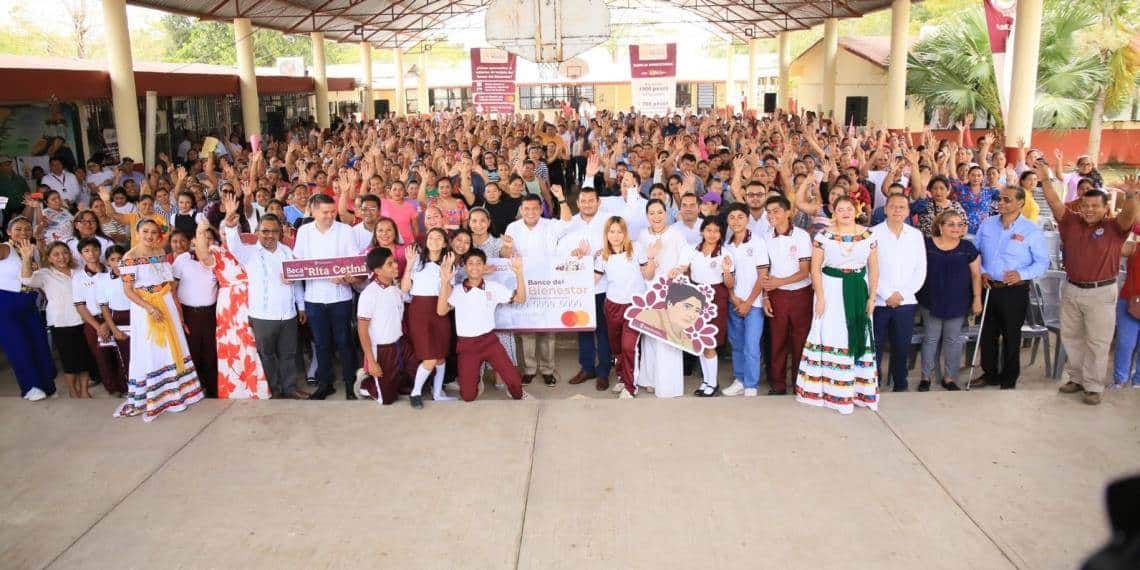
(824, 247)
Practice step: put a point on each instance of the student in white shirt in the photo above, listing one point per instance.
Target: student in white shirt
(274, 304)
(535, 237)
(474, 302)
(712, 266)
(116, 309)
(430, 334)
(902, 271)
(85, 285)
(62, 318)
(328, 302)
(745, 301)
(380, 315)
(197, 292)
(787, 293)
(620, 264)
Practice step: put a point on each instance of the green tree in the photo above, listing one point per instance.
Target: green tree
(1112, 38)
(953, 68)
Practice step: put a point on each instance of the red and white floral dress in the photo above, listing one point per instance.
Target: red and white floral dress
(240, 375)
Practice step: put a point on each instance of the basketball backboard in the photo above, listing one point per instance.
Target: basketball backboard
(547, 31)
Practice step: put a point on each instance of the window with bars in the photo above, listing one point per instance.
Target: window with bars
(550, 96)
(453, 98)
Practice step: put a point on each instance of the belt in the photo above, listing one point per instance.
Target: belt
(1091, 284)
(1002, 284)
(207, 308)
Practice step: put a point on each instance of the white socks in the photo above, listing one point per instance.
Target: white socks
(708, 372)
(437, 383)
(421, 378)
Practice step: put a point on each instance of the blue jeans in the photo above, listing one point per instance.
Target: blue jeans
(744, 335)
(596, 343)
(1124, 364)
(896, 326)
(329, 323)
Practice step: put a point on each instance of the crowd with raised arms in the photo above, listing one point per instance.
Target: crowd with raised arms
(824, 246)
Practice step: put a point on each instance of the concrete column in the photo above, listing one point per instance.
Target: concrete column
(401, 95)
(755, 100)
(247, 77)
(1026, 49)
(729, 84)
(783, 91)
(422, 86)
(124, 98)
(320, 79)
(830, 53)
(369, 110)
(895, 116)
(151, 121)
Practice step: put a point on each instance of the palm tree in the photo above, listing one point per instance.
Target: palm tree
(1114, 38)
(953, 68)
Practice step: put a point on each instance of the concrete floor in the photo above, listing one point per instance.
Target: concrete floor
(571, 479)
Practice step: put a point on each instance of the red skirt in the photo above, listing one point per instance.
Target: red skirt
(430, 333)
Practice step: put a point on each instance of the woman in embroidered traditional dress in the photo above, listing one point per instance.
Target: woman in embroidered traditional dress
(240, 375)
(838, 365)
(161, 373)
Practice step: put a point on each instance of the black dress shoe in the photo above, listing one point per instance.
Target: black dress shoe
(775, 392)
(527, 378)
(417, 402)
(951, 386)
(1007, 386)
(322, 393)
(549, 380)
(924, 386)
(348, 395)
(899, 389)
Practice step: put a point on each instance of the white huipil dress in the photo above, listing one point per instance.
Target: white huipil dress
(828, 374)
(661, 365)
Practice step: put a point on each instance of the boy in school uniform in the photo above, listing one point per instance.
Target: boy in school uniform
(474, 302)
(380, 314)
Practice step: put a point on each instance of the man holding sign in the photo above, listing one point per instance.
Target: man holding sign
(328, 301)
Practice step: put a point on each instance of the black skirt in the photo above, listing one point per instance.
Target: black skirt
(71, 345)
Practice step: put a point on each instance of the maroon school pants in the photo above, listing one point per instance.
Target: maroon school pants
(788, 329)
(106, 360)
(388, 357)
(623, 341)
(202, 339)
(473, 352)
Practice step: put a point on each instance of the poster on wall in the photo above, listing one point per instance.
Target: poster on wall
(493, 80)
(559, 295)
(653, 73)
(39, 131)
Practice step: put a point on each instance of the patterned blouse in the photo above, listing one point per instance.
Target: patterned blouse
(978, 207)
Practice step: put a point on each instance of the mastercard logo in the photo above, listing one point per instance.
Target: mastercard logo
(575, 318)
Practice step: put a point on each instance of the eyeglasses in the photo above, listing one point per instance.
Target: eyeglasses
(1006, 199)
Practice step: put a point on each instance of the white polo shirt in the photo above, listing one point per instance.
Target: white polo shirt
(785, 252)
(85, 289)
(592, 231)
(271, 298)
(426, 279)
(902, 263)
(312, 243)
(363, 237)
(112, 295)
(197, 286)
(538, 241)
(383, 307)
(475, 307)
(624, 275)
(747, 260)
(708, 270)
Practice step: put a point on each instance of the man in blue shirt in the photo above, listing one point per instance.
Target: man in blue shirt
(1013, 254)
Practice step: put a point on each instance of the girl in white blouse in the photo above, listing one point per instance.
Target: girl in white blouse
(713, 266)
(116, 309)
(620, 262)
(65, 323)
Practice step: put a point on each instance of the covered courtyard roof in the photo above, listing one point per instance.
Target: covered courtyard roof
(404, 23)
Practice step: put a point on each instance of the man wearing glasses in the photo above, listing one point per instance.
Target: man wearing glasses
(274, 304)
(1091, 241)
(1013, 255)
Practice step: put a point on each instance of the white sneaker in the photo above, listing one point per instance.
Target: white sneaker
(526, 396)
(736, 389)
(617, 387)
(441, 397)
(751, 392)
(624, 394)
(35, 395)
(500, 386)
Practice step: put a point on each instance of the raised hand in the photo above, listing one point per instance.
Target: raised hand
(556, 190)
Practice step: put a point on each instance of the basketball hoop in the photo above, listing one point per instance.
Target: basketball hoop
(547, 71)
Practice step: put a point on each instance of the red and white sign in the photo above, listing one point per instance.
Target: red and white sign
(653, 73)
(493, 80)
(1000, 27)
(328, 268)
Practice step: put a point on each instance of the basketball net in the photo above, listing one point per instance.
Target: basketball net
(547, 71)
